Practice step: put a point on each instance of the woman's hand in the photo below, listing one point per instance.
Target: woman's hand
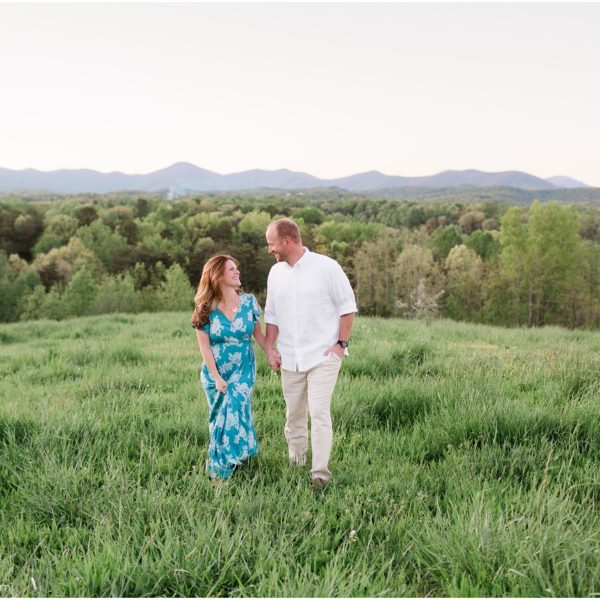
(273, 358)
(220, 384)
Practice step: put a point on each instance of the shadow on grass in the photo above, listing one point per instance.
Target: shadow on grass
(399, 361)
(112, 387)
(579, 384)
(9, 338)
(17, 432)
(127, 356)
(392, 407)
(566, 431)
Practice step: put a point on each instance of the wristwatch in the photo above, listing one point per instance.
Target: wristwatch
(343, 343)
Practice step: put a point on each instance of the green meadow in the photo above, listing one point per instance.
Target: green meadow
(466, 462)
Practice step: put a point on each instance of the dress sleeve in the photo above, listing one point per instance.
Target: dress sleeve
(205, 328)
(255, 310)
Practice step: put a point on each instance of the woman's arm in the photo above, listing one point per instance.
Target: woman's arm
(259, 336)
(209, 360)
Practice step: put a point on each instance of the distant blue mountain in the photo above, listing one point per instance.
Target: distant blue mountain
(566, 182)
(184, 177)
(371, 180)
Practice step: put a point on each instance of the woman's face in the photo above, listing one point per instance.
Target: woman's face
(231, 275)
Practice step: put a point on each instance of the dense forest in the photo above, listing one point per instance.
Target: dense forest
(488, 261)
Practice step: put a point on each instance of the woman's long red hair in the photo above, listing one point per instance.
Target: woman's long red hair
(208, 294)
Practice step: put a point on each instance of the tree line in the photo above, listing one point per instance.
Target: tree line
(486, 262)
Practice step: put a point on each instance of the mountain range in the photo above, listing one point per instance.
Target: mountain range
(181, 178)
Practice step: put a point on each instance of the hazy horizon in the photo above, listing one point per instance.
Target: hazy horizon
(249, 170)
(327, 89)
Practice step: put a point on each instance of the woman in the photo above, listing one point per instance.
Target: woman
(225, 319)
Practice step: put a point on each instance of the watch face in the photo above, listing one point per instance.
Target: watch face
(343, 343)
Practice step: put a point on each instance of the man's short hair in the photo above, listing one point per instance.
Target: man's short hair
(287, 228)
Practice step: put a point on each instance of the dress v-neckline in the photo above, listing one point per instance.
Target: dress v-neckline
(230, 321)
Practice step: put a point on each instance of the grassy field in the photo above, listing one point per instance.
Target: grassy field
(466, 462)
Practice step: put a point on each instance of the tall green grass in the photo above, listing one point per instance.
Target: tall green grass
(466, 462)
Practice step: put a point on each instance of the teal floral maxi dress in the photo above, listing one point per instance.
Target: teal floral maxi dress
(232, 435)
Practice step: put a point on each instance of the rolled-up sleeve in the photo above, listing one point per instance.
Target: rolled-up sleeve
(341, 291)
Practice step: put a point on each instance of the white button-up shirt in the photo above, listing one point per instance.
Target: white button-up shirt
(305, 302)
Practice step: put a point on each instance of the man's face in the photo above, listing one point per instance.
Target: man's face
(277, 246)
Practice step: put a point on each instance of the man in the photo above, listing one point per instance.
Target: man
(309, 312)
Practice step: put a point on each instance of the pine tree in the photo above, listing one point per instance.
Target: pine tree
(175, 292)
(464, 270)
(80, 294)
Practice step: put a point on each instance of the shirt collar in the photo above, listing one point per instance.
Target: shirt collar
(301, 260)
(304, 257)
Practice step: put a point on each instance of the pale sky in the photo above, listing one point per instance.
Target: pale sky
(330, 89)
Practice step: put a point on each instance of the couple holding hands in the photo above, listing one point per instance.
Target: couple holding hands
(309, 314)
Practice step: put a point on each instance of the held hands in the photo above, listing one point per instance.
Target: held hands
(274, 359)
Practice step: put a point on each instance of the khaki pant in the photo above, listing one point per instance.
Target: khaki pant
(304, 392)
